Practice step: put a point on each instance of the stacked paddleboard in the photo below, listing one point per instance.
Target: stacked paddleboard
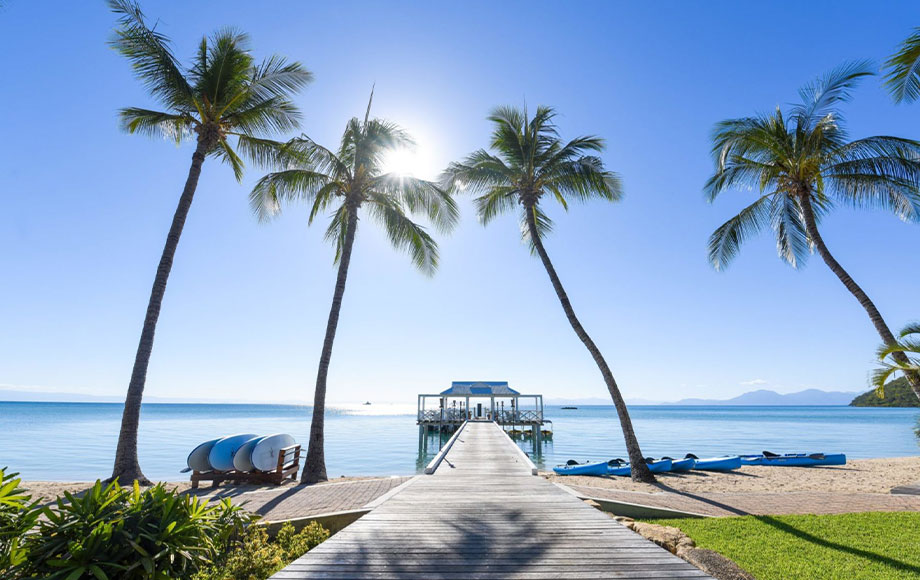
(242, 452)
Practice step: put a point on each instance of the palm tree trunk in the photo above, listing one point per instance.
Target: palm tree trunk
(875, 316)
(639, 470)
(315, 468)
(126, 468)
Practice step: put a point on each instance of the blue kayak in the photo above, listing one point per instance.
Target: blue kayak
(575, 468)
(795, 459)
(619, 467)
(685, 464)
(726, 463)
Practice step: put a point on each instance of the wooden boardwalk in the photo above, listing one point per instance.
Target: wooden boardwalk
(482, 515)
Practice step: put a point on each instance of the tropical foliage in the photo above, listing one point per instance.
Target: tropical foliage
(802, 163)
(903, 70)
(531, 162)
(909, 347)
(114, 532)
(255, 556)
(345, 182)
(18, 514)
(223, 94)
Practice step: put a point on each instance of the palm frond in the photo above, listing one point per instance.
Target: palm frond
(273, 116)
(403, 233)
(496, 201)
(151, 56)
(421, 196)
(725, 242)
(275, 77)
(881, 172)
(792, 243)
(226, 71)
(288, 185)
(267, 152)
(821, 96)
(912, 328)
(903, 77)
(225, 153)
(583, 179)
(478, 172)
(544, 227)
(175, 127)
(337, 230)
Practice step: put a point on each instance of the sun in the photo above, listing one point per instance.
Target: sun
(402, 161)
(420, 160)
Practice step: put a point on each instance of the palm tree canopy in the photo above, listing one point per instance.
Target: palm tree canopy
(909, 345)
(352, 177)
(805, 155)
(903, 76)
(224, 92)
(530, 161)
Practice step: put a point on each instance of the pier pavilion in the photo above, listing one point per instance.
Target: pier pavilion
(481, 401)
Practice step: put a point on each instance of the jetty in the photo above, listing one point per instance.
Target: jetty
(483, 514)
(521, 414)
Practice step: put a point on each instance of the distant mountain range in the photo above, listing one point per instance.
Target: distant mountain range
(760, 397)
(765, 397)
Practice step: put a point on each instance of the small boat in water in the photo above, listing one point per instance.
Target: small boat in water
(795, 459)
(572, 467)
(569, 408)
(726, 463)
(622, 468)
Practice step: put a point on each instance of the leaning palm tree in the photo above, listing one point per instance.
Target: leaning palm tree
(347, 181)
(801, 163)
(223, 93)
(903, 76)
(530, 162)
(909, 347)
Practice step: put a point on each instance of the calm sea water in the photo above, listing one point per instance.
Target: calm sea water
(76, 441)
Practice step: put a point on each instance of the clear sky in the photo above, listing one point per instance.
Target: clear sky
(85, 208)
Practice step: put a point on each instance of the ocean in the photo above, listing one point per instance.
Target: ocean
(76, 441)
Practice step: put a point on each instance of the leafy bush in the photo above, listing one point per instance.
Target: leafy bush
(18, 515)
(255, 557)
(113, 532)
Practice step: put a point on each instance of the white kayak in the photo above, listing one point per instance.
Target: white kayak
(198, 458)
(221, 456)
(264, 456)
(242, 461)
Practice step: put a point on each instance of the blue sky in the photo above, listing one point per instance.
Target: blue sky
(85, 208)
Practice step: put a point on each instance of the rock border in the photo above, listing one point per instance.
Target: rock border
(681, 545)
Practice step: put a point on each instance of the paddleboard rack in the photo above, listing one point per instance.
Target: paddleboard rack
(287, 468)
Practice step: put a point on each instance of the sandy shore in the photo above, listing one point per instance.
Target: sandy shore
(858, 476)
(49, 490)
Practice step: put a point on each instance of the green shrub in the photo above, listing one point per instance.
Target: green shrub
(18, 514)
(256, 557)
(129, 534)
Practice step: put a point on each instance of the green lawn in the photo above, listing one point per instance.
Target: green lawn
(876, 546)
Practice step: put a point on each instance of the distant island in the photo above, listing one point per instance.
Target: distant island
(897, 394)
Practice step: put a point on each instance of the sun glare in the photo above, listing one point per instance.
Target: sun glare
(403, 162)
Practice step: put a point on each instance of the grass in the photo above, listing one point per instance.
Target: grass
(877, 546)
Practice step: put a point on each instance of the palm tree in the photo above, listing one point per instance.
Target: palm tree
(803, 161)
(347, 181)
(909, 344)
(531, 161)
(903, 77)
(223, 93)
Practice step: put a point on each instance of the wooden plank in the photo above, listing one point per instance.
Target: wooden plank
(482, 515)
